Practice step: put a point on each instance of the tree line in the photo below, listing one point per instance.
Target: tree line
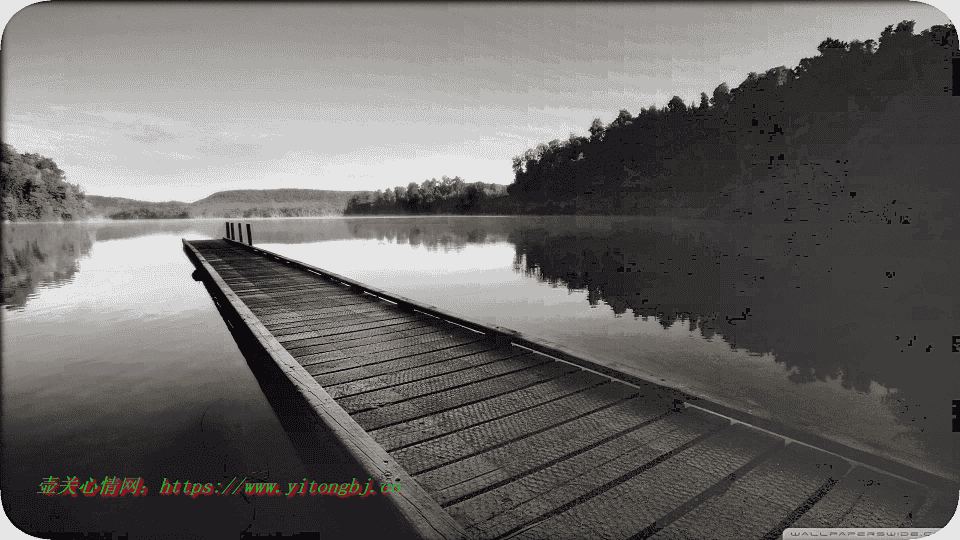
(446, 196)
(781, 137)
(33, 187)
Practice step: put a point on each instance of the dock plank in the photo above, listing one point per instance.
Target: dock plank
(293, 316)
(863, 496)
(762, 499)
(462, 396)
(301, 348)
(408, 430)
(305, 338)
(547, 492)
(375, 335)
(459, 446)
(452, 334)
(385, 374)
(403, 357)
(499, 465)
(318, 318)
(380, 398)
(660, 490)
(355, 377)
(343, 319)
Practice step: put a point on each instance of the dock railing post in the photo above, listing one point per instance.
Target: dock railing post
(227, 225)
(233, 236)
(249, 235)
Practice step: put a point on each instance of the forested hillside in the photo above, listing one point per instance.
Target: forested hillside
(122, 208)
(33, 188)
(230, 204)
(448, 196)
(862, 132)
(272, 203)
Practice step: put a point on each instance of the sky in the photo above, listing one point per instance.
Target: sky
(158, 101)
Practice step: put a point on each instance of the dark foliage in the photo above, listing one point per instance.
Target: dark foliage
(787, 143)
(32, 187)
(448, 196)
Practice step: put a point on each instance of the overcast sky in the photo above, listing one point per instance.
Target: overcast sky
(177, 101)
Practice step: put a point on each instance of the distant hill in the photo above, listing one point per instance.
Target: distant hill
(100, 200)
(123, 208)
(262, 196)
(230, 204)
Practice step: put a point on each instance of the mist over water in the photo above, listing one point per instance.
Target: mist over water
(117, 363)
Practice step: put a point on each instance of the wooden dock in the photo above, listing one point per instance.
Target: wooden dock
(493, 435)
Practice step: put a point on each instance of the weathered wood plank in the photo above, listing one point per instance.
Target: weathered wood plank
(286, 276)
(313, 299)
(406, 411)
(401, 357)
(345, 319)
(290, 293)
(302, 339)
(293, 315)
(757, 503)
(298, 296)
(411, 345)
(413, 334)
(658, 491)
(326, 315)
(461, 445)
(549, 491)
(301, 347)
(385, 374)
(415, 425)
(380, 398)
(243, 282)
(374, 335)
(413, 503)
(461, 479)
(864, 498)
(292, 287)
(350, 378)
(301, 308)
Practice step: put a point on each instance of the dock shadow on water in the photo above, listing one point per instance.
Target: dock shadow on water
(323, 456)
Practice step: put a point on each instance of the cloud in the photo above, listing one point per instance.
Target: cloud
(226, 149)
(150, 134)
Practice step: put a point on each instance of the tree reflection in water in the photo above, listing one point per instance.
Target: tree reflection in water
(860, 304)
(35, 255)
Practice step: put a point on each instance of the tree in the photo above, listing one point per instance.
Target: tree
(676, 105)
(704, 101)
(413, 196)
(623, 119)
(596, 130)
(517, 165)
(34, 187)
(721, 95)
(830, 45)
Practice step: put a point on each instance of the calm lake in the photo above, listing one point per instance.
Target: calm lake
(117, 363)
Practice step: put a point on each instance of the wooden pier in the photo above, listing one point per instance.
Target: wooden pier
(492, 434)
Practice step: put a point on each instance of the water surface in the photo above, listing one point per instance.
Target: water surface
(116, 362)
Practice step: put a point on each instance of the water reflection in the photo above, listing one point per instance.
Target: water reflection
(863, 306)
(33, 255)
(841, 329)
